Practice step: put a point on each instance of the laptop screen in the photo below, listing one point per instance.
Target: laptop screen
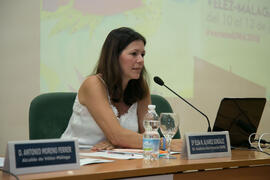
(239, 116)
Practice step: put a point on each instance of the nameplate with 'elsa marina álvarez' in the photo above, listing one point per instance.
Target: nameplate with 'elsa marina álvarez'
(206, 145)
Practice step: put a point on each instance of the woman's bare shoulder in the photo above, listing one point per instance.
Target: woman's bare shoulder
(93, 81)
(92, 86)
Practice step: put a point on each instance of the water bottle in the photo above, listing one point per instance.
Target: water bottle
(151, 138)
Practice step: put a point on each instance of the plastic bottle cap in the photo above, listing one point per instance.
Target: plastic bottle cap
(151, 106)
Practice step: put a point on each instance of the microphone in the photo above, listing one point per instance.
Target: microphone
(160, 82)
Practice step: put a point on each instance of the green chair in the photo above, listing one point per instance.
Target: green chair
(49, 113)
(162, 105)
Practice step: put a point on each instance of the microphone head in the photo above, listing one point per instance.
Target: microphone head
(158, 81)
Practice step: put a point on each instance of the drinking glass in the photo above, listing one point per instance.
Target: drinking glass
(169, 124)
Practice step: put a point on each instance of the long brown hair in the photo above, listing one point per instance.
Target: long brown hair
(108, 65)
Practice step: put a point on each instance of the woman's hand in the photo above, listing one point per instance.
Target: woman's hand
(176, 145)
(103, 145)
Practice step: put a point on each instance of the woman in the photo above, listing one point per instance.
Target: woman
(109, 108)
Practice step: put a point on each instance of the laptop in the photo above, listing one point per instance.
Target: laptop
(240, 117)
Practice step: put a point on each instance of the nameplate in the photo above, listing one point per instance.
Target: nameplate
(206, 145)
(36, 156)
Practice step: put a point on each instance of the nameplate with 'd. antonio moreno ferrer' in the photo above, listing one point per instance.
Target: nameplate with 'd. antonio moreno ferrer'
(36, 156)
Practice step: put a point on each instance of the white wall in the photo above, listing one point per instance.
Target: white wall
(19, 66)
(211, 85)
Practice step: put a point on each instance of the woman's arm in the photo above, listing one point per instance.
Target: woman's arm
(176, 145)
(142, 110)
(103, 145)
(93, 94)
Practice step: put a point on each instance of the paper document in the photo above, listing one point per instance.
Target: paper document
(85, 161)
(137, 151)
(2, 162)
(113, 155)
(121, 153)
(82, 146)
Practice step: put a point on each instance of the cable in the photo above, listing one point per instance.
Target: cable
(249, 140)
(258, 148)
(8, 172)
(265, 153)
(259, 144)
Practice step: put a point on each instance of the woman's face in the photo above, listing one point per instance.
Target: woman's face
(132, 60)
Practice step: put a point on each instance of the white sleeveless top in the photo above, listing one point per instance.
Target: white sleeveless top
(83, 126)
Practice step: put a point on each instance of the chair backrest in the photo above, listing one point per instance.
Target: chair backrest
(162, 105)
(49, 113)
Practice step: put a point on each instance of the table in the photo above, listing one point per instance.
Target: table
(244, 164)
